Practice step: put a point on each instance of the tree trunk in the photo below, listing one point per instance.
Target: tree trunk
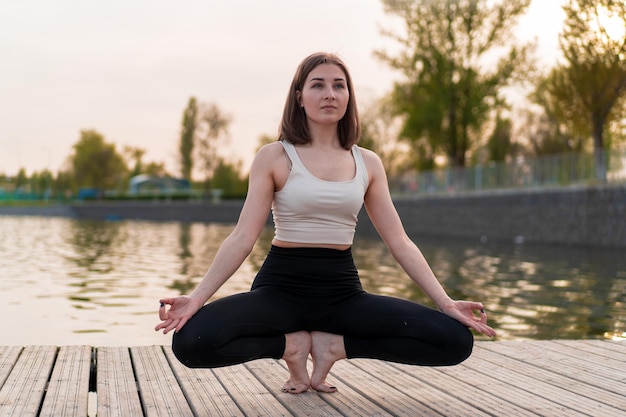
(598, 150)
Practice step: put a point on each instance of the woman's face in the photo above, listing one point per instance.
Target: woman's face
(325, 94)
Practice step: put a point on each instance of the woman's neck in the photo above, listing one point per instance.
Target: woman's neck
(324, 135)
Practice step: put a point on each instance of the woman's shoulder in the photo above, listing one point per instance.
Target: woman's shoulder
(270, 150)
(267, 155)
(370, 157)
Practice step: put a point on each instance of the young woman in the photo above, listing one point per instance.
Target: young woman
(307, 298)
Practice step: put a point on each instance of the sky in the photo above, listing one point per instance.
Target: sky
(128, 68)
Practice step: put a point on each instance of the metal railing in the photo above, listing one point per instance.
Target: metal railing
(546, 171)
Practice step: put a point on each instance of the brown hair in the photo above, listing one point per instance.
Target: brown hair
(294, 127)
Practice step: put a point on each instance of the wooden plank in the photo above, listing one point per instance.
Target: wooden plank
(272, 374)
(545, 384)
(370, 387)
(347, 400)
(501, 384)
(607, 362)
(446, 396)
(24, 388)
(614, 345)
(538, 355)
(205, 393)
(469, 388)
(614, 350)
(8, 358)
(248, 393)
(115, 383)
(524, 378)
(68, 390)
(159, 391)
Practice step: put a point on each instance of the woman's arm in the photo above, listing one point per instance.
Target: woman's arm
(387, 222)
(235, 248)
(252, 219)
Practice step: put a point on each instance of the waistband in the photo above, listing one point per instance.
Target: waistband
(309, 271)
(312, 252)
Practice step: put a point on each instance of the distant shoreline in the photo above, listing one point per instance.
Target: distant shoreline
(593, 217)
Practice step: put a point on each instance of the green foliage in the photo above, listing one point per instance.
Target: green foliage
(499, 143)
(563, 126)
(212, 127)
(134, 156)
(584, 96)
(457, 55)
(41, 183)
(593, 79)
(64, 184)
(187, 138)
(227, 177)
(156, 169)
(96, 163)
(379, 130)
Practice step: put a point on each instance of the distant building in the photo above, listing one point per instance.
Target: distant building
(145, 184)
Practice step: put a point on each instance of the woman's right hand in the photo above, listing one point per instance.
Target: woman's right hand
(180, 310)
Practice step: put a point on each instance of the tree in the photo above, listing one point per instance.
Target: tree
(454, 68)
(593, 77)
(134, 156)
(227, 177)
(212, 125)
(379, 132)
(64, 184)
(561, 125)
(499, 144)
(41, 183)
(187, 138)
(21, 180)
(96, 163)
(156, 169)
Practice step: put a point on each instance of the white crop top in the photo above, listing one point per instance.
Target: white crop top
(310, 210)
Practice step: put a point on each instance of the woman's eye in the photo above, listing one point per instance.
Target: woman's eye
(340, 86)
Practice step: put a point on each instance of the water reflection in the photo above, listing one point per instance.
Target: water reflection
(73, 282)
(91, 242)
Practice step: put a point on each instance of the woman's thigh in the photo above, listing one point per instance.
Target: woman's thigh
(398, 330)
(370, 315)
(236, 329)
(255, 313)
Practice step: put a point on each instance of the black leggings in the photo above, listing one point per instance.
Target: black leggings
(317, 289)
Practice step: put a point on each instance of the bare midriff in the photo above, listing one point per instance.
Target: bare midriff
(283, 244)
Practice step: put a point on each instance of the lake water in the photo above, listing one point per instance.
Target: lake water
(65, 281)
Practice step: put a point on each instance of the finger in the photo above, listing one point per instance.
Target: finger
(162, 312)
(181, 324)
(483, 316)
(160, 326)
(486, 330)
(171, 326)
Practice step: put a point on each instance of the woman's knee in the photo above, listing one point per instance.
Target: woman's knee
(195, 350)
(185, 348)
(460, 346)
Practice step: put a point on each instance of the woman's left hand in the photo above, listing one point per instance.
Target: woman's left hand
(463, 311)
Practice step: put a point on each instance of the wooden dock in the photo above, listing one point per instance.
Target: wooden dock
(546, 378)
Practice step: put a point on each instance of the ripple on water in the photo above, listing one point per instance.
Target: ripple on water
(98, 283)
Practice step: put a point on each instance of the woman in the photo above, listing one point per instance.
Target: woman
(307, 298)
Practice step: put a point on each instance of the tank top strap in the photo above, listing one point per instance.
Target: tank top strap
(291, 152)
(361, 169)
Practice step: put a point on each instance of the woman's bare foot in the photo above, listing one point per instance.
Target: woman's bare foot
(326, 349)
(297, 348)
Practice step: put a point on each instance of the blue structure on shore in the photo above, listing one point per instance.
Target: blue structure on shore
(160, 185)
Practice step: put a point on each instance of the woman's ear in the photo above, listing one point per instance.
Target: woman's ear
(299, 98)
